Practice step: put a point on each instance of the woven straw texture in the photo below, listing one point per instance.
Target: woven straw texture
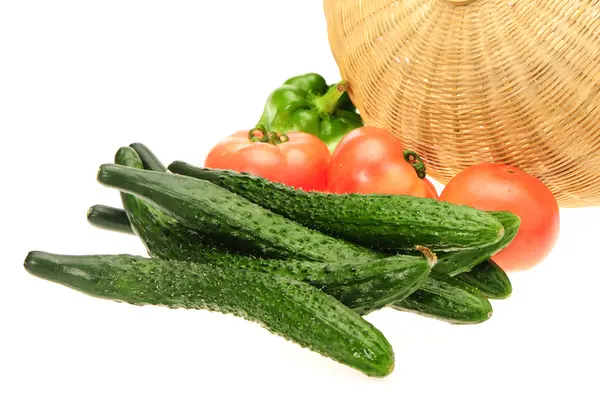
(465, 82)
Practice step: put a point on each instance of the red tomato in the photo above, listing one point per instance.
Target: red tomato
(302, 162)
(495, 187)
(370, 160)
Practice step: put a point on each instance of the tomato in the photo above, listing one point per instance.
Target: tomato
(425, 189)
(431, 191)
(370, 160)
(495, 187)
(301, 162)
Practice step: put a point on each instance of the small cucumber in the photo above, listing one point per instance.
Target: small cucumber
(490, 279)
(448, 299)
(291, 309)
(459, 262)
(361, 286)
(109, 218)
(385, 222)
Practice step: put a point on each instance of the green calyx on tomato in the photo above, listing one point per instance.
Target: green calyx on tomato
(274, 138)
(416, 162)
(307, 103)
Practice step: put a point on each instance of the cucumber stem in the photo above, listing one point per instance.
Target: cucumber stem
(427, 253)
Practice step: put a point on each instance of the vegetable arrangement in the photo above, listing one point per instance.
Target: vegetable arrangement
(306, 246)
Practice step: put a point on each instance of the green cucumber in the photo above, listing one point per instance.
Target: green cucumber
(109, 218)
(447, 299)
(385, 222)
(232, 221)
(363, 287)
(360, 286)
(490, 279)
(149, 160)
(288, 308)
(459, 262)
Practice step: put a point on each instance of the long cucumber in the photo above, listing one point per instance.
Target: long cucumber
(386, 222)
(291, 309)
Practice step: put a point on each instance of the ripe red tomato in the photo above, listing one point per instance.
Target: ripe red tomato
(301, 162)
(495, 187)
(370, 160)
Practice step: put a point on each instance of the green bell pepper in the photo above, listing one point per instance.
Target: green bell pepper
(306, 103)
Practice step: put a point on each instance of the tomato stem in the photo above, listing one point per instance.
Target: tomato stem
(416, 162)
(258, 134)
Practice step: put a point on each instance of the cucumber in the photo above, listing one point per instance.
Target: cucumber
(490, 279)
(109, 218)
(459, 262)
(149, 160)
(384, 222)
(361, 286)
(232, 221)
(447, 299)
(288, 308)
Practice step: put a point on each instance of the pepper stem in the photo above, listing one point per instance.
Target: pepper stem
(328, 103)
(416, 162)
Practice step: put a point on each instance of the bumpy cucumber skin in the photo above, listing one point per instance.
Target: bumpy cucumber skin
(490, 279)
(232, 221)
(385, 222)
(360, 286)
(459, 262)
(288, 308)
(109, 218)
(448, 299)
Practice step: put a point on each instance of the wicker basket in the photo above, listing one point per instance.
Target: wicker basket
(464, 82)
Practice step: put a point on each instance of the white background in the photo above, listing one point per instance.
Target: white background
(78, 79)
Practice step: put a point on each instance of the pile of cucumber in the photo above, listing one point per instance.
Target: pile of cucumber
(306, 266)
